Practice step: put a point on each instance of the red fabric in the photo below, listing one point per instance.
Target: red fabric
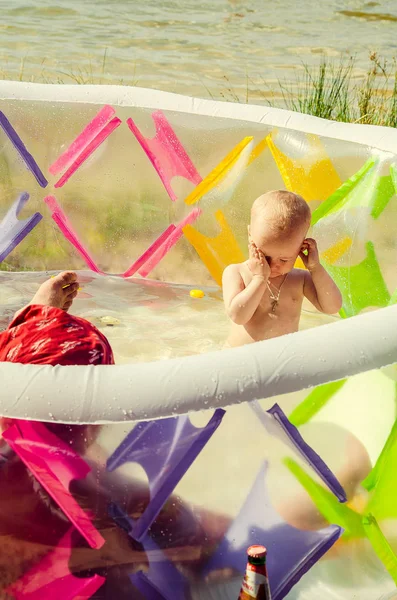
(44, 335)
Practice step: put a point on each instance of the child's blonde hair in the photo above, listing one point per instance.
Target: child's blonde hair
(281, 210)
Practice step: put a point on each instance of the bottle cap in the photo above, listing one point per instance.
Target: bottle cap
(257, 551)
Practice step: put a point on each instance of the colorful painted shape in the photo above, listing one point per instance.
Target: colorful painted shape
(381, 545)
(382, 482)
(393, 299)
(219, 173)
(314, 402)
(257, 151)
(335, 253)
(88, 150)
(332, 255)
(312, 178)
(293, 553)
(216, 253)
(23, 152)
(165, 449)
(361, 285)
(52, 579)
(366, 188)
(383, 193)
(326, 503)
(13, 231)
(66, 227)
(168, 243)
(277, 424)
(54, 464)
(90, 132)
(149, 252)
(166, 153)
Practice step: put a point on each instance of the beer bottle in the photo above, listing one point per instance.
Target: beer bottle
(256, 582)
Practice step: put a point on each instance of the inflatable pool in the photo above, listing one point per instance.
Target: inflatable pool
(150, 478)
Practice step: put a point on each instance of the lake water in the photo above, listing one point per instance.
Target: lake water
(196, 47)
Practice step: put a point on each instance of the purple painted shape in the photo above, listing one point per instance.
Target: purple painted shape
(163, 581)
(165, 448)
(166, 153)
(54, 464)
(18, 144)
(12, 231)
(291, 552)
(51, 578)
(278, 425)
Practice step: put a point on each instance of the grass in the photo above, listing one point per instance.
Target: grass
(332, 90)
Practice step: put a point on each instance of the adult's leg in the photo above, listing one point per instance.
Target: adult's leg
(44, 333)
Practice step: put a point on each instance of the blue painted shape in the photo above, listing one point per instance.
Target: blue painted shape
(278, 425)
(292, 552)
(165, 448)
(12, 231)
(20, 147)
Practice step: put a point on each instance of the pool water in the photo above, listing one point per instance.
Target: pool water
(143, 320)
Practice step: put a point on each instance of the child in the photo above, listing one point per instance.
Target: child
(263, 295)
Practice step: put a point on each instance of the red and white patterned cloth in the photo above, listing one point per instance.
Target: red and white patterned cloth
(44, 335)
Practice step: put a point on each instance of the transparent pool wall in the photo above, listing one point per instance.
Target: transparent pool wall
(118, 206)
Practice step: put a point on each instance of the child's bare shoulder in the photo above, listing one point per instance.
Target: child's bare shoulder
(235, 272)
(236, 269)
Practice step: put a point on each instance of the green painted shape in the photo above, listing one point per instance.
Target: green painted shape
(393, 299)
(383, 482)
(364, 188)
(393, 175)
(383, 193)
(381, 545)
(374, 476)
(341, 196)
(332, 510)
(361, 285)
(314, 402)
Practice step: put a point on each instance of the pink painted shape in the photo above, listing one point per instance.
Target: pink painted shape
(82, 140)
(166, 153)
(88, 150)
(169, 242)
(54, 464)
(51, 578)
(65, 226)
(149, 252)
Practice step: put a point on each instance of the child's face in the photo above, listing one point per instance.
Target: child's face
(280, 251)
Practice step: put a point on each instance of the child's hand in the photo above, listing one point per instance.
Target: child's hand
(309, 254)
(257, 262)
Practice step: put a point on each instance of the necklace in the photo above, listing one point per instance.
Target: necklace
(275, 296)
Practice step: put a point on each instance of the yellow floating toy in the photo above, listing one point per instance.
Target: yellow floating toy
(197, 294)
(109, 321)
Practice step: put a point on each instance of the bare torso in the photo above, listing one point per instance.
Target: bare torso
(266, 324)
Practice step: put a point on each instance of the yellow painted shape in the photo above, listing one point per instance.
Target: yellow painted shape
(312, 180)
(259, 148)
(333, 254)
(218, 252)
(217, 174)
